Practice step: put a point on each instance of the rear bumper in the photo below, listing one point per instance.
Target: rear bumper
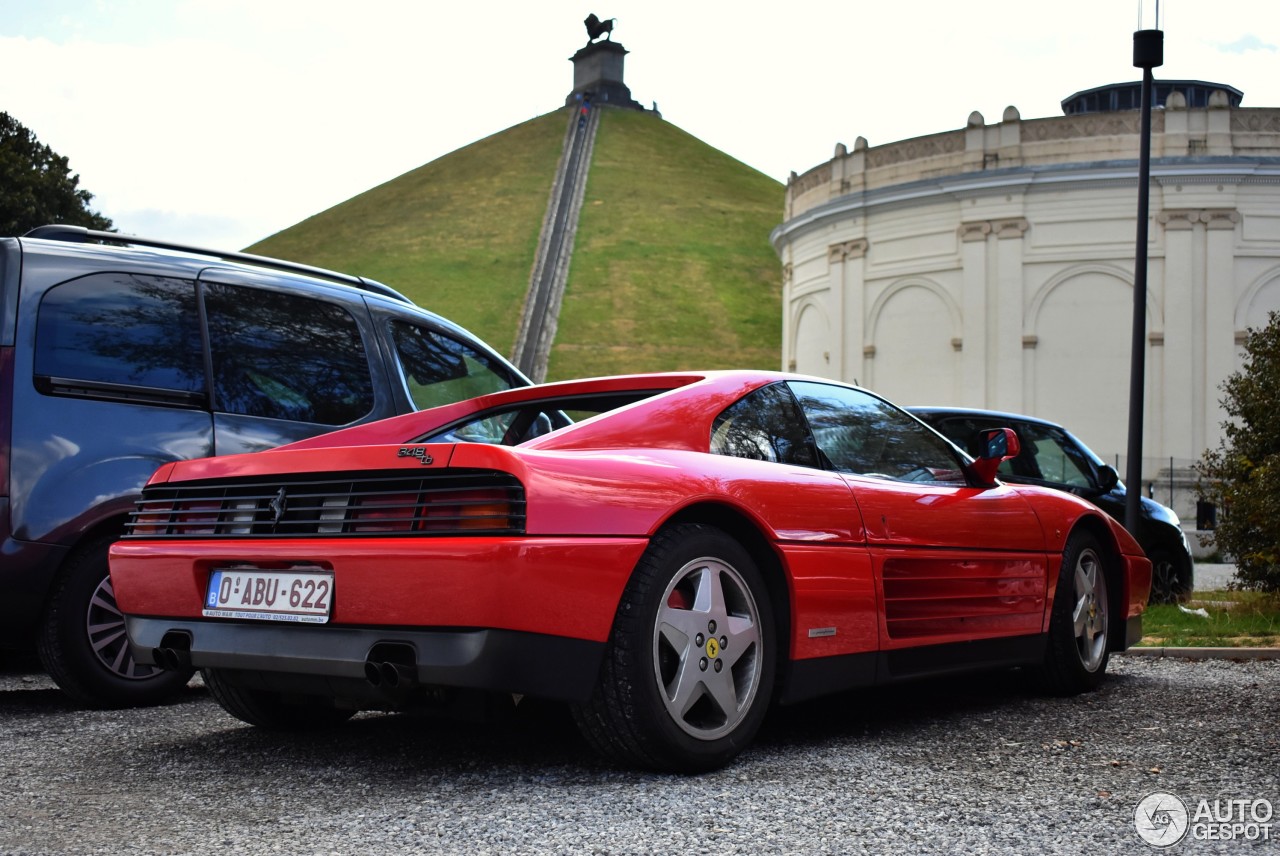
(331, 661)
(525, 614)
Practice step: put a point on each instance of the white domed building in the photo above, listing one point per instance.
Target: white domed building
(992, 266)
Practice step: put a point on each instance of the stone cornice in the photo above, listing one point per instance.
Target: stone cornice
(1038, 142)
(1244, 171)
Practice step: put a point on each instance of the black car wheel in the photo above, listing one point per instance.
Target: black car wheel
(1078, 649)
(269, 710)
(82, 641)
(1171, 576)
(689, 670)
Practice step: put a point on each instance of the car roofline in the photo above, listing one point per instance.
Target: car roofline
(81, 235)
(917, 409)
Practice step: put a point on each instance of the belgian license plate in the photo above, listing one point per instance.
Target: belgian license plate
(299, 594)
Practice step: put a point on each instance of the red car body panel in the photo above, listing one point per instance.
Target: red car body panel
(867, 564)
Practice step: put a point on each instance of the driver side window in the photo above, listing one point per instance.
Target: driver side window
(861, 434)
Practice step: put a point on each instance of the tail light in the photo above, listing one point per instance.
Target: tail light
(430, 505)
(386, 513)
(485, 508)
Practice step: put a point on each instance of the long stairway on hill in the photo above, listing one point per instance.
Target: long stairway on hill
(555, 247)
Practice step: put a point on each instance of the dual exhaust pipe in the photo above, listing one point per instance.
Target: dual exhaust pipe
(388, 675)
(174, 652)
(391, 666)
(171, 659)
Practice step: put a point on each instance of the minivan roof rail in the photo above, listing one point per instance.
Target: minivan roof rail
(80, 235)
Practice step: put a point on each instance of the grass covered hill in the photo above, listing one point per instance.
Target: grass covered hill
(672, 267)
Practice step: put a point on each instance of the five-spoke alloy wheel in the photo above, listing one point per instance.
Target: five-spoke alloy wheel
(1079, 628)
(689, 669)
(706, 648)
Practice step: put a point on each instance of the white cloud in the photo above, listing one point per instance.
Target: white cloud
(1246, 43)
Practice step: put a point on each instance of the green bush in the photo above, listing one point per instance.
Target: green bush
(1242, 476)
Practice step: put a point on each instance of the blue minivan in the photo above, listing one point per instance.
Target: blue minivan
(120, 354)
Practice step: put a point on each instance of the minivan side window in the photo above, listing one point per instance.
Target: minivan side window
(439, 369)
(284, 356)
(120, 329)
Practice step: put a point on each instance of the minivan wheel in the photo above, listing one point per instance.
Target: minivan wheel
(82, 640)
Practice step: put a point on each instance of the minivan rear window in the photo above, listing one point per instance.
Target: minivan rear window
(121, 329)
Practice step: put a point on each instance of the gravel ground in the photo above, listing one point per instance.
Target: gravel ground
(973, 766)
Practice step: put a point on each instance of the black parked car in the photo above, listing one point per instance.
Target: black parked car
(115, 360)
(1052, 457)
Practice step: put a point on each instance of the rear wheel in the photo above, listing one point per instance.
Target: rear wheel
(269, 710)
(689, 669)
(1079, 628)
(82, 641)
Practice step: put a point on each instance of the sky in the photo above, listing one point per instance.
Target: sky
(221, 122)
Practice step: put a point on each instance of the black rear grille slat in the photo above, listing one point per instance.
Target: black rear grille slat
(334, 505)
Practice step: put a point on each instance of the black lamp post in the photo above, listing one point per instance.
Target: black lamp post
(1148, 53)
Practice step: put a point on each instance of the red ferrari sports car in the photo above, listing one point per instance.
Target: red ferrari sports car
(669, 553)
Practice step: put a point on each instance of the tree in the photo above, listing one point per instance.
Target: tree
(1242, 476)
(36, 185)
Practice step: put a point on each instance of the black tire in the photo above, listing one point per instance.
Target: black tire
(1080, 627)
(689, 670)
(268, 710)
(82, 641)
(1172, 577)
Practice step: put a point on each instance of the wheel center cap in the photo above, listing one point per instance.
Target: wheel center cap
(713, 648)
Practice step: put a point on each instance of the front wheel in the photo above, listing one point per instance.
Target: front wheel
(1079, 627)
(689, 669)
(1172, 577)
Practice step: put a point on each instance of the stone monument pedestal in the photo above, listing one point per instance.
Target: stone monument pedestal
(597, 75)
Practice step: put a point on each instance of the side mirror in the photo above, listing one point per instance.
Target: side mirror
(1108, 478)
(996, 446)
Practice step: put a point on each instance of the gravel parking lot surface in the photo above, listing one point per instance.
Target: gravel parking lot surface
(973, 766)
